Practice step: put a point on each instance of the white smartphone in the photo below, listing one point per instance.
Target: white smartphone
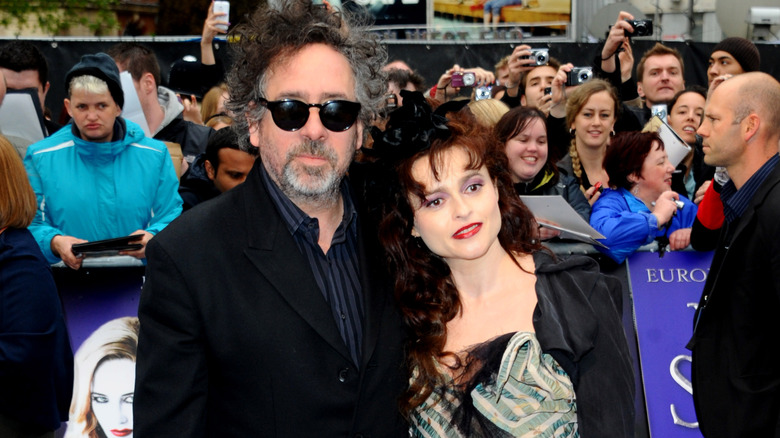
(223, 6)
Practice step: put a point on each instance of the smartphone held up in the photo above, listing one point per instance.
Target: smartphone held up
(222, 6)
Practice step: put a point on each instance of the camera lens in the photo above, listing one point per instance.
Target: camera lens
(585, 75)
(541, 58)
(640, 29)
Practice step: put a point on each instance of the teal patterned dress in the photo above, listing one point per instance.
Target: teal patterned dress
(518, 391)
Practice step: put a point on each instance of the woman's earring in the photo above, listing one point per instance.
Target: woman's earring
(612, 133)
(419, 242)
(571, 132)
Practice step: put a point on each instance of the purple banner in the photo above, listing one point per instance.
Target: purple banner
(101, 308)
(666, 292)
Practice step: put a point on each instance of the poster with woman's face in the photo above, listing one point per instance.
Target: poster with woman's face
(101, 308)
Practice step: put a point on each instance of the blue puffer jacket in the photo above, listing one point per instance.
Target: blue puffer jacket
(97, 191)
(627, 227)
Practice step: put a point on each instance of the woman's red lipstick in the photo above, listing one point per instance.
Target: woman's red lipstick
(467, 231)
(121, 432)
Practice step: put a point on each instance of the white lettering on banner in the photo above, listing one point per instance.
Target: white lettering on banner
(681, 380)
(697, 275)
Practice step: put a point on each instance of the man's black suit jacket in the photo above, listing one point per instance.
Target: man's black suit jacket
(237, 340)
(735, 372)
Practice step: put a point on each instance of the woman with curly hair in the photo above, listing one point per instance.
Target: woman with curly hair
(103, 389)
(505, 339)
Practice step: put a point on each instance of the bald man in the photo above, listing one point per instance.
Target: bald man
(735, 376)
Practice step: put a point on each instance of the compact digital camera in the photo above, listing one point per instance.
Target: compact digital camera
(548, 91)
(540, 56)
(460, 79)
(641, 28)
(579, 75)
(481, 93)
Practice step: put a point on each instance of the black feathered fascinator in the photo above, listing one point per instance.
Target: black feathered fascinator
(411, 129)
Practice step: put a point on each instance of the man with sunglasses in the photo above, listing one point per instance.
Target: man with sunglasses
(267, 311)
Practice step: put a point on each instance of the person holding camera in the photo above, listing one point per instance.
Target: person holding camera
(521, 63)
(455, 78)
(659, 73)
(640, 205)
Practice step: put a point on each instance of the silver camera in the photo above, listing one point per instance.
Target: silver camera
(540, 56)
(578, 76)
(481, 93)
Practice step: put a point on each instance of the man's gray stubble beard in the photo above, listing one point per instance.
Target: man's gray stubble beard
(327, 179)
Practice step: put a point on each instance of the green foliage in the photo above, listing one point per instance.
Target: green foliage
(57, 16)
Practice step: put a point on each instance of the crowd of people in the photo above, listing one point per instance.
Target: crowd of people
(333, 248)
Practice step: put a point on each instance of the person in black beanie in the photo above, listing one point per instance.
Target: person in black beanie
(100, 176)
(734, 55)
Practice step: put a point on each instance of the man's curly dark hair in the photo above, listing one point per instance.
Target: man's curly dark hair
(274, 34)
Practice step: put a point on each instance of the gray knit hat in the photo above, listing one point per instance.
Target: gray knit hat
(102, 67)
(744, 51)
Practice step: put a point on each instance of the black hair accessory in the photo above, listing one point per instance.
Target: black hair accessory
(411, 129)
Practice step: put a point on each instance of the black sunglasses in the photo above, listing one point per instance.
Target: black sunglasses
(291, 115)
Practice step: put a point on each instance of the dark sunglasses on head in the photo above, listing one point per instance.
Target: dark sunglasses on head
(291, 115)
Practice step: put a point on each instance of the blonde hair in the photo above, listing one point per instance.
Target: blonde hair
(116, 339)
(488, 111)
(88, 83)
(503, 62)
(208, 106)
(219, 119)
(17, 199)
(578, 98)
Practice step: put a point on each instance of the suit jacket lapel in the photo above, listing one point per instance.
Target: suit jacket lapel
(273, 251)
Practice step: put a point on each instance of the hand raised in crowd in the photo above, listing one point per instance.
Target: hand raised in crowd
(210, 30)
(191, 111)
(615, 40)
(444, 81)
(519, 63)
(62, 247)
(559, 91)
(665, 207)
(680, 239)
(483, 77)
(139, 253)
(626, 61)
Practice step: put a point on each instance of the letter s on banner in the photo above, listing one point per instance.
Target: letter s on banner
(685, 384)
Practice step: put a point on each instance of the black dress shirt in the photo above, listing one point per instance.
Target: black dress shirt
(337, 272)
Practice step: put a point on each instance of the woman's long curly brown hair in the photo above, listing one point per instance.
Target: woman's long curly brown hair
(424, 289)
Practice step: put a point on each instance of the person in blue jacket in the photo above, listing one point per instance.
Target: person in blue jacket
(99, 177)
(640, 205)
